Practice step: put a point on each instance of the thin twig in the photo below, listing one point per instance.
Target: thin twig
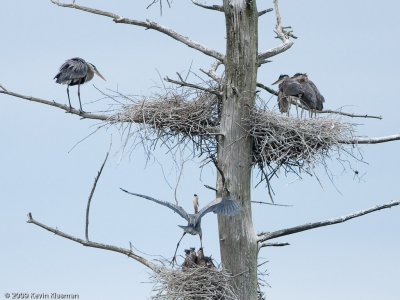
(182, 82)
(273, 204)
(91, 196)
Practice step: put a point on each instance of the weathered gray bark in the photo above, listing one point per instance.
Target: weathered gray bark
(238, 241)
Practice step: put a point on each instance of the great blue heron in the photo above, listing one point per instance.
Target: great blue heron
(288, 88)
(312, 97)
(76, 71)
(196, 203)
(224, 206)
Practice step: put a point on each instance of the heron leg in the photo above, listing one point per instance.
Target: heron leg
(69, 100)
(201, 240)
(79, 96)
(173, 261)
(297, 108)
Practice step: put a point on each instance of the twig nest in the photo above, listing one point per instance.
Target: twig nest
(187, 114)
(195, 283)
(295, 142)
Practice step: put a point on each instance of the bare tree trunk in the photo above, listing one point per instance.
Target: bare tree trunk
(238, 240)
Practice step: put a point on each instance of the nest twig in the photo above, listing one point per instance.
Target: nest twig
(192, 284)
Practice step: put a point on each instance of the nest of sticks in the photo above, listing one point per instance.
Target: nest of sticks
(292, 142)
(192, 118)
(195, 283)
(174, 118)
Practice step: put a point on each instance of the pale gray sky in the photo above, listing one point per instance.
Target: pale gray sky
(350, 50)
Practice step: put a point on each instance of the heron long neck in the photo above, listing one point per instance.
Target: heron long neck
(89, 74)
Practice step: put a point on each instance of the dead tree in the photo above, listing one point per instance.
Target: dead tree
(223, 122)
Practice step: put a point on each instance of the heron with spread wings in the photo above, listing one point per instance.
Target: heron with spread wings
(223, 206)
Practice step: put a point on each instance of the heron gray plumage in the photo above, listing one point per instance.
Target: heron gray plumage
(288, 87)
(312, 98)
(222, 205)
(76, 71)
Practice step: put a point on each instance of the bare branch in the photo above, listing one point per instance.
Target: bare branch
(212, 73)
(210, 187)
(338, 112)
(282, 35)
(376, 140)
(263, 12)
(269, 90)
(91, 196)
(263, 245)
(273, 204)
(148, 25)
(211, 7)
(182, 82)
(66, 108)
(275, 234)
(127, 252)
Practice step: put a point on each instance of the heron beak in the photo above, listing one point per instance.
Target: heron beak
(98, 74)
(278, 81)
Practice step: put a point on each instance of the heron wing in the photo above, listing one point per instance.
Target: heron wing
(224, 206)
(176, 208)
(292, 88)
(72, 69)
(320, 98)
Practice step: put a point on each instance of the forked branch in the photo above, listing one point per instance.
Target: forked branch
(146, 24)
(282, 35)
(127, 252)
(181, 82)
(264, 236)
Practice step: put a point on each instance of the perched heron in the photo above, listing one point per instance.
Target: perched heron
(224, 206)
(288, 87)
(196, 203)
(76, 71)
(312, 96)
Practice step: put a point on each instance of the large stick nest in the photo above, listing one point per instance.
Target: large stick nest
(294, 142)
(192, 284)
(278, 140)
